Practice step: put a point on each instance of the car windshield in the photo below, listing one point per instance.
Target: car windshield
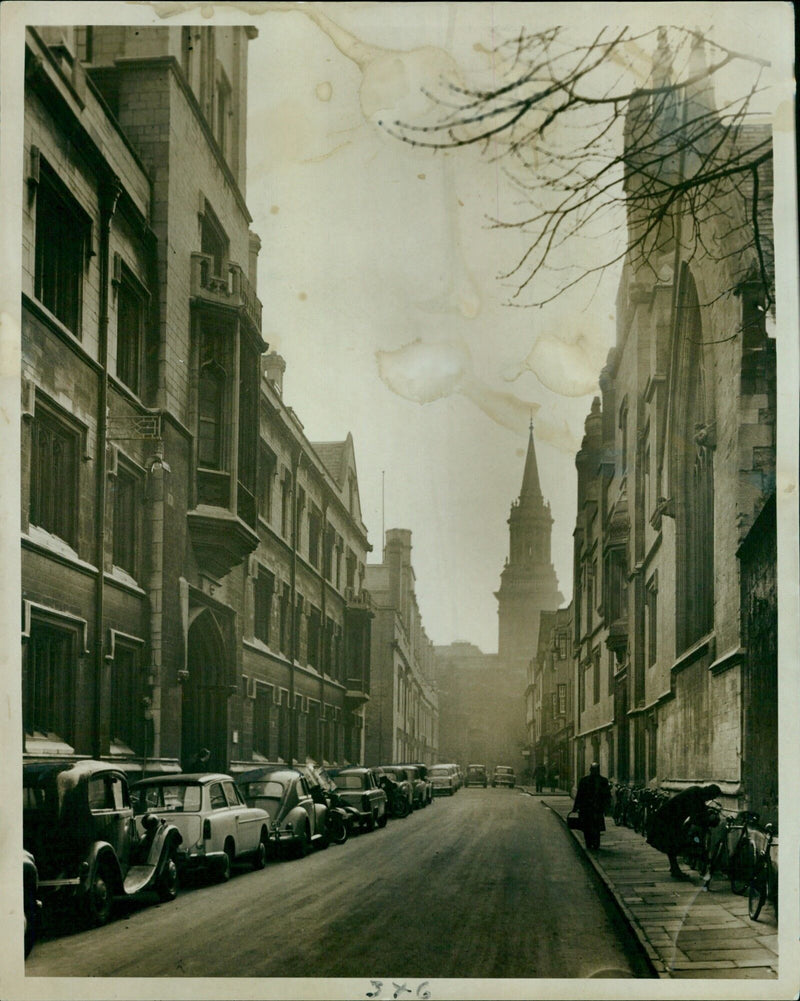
(173, 797)
(439, 770)
(349, 780)
(477, 771)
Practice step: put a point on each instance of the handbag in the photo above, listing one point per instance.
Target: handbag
(574, 821)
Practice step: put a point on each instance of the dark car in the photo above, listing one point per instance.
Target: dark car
(298, 821)
(422, 772)
(504, 776)
(31, 905)
(419, 786)
(476, 776)
(358, 788)
(78, 824)
(399, 789)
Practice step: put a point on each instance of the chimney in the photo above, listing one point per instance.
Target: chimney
(274, 367)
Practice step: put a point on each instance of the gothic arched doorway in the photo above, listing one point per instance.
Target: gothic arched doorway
(204, 717)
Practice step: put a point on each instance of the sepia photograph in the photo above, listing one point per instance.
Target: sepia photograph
(402, 409)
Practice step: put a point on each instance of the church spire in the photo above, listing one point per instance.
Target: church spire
(531, 491)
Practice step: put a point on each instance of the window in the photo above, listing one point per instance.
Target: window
(615, 602)
(62, 234)
(562, 646)
(263, 590)
(217, 797)
(590, 572)
(582, 687)
(130, 333)
(298, 619)
(223, 112)
(126, 521)
(596, 676)
(623, 430)
(284, 613)
(127, 692)
(212, 388)
(314, 534)
(350, 565)
(286, 504)
(314, 630)
(327, 552)
(266, 476)
(562, 700)
(54, 475)
(610, 672)
(248, 432)
(261, 716)
(213, 240)
(651, 612)
(48, 683)
(554, 704)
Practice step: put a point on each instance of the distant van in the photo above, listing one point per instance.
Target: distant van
(476, 776)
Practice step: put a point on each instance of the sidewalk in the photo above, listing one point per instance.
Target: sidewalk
(685, 930)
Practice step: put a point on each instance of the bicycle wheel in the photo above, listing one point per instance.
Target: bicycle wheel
(741, 866)
(757, 893)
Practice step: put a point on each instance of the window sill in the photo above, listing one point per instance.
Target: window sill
(124, 580)
(43, 541)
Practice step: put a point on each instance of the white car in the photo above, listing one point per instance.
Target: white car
(217, 826)
(443, 778)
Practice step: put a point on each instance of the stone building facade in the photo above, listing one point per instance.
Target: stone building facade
(402, 715)
(675, 470)
(152, 435)
(550, 698)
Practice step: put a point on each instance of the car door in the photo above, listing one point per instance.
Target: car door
(246, 821)
(220, 819)
(306, 803)
(111, 813)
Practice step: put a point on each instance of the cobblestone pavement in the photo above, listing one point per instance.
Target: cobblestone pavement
(686, 931)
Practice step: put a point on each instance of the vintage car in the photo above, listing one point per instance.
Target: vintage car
(31, 905)
(358, 788)
(503, 776)
(298, 822)
(217, 826)
(78, 823)
(443, 779)
(401, 797)
(476, 776)
(422, 790)
(422, 772)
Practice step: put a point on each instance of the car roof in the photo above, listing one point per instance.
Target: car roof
(476, 766)
(349, 768)
(77, 769)
(281, 772)
(196, 778)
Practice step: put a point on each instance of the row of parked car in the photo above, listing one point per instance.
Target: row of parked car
(90, 837)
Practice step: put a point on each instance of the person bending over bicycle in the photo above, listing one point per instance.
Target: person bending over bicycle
(668, 826)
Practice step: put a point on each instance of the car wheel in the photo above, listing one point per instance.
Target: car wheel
(303, 843)
(167, 887)
(226, 863)
(337, 829)
(99, 898)
(383, 820)
(260, 857)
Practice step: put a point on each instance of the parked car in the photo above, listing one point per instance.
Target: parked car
(78, 824)
(443, 779)
(401, 799)
(422, 772)
(31, 905)
(357, 786)
(418, 785)
(476, 776)
(217, 826)
(504, 776)
(298, 822)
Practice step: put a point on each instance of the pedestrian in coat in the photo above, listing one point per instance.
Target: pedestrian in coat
(552, 779)
(199, 763)
(591, 802)
(538, 776)
(667, 831)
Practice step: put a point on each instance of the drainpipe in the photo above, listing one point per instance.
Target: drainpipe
(109, 194)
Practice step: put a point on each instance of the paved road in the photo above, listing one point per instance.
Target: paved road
(484, 884)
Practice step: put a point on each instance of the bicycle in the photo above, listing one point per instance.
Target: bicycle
(698, 836)
(764, 881)
(740, 851)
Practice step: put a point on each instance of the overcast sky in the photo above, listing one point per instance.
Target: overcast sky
(378, 276)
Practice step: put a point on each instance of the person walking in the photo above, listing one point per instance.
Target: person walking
(552, 778)
(669, 823)
(199, 763)
(591, 802)
(538, 776)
